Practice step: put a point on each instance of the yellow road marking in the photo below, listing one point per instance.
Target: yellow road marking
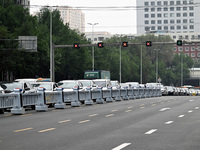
(84, 121)
(26, 115)
(8, 115)
(93, 115)
(23, 130)
(0, 141)
(128, 110)
(56, 110)
(47, 130)
(64, 121)
(109, 115)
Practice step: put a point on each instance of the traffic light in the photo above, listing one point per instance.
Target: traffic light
(148, 43)
(76, 45)
(100, 45)
(179, 42)
(124, 44)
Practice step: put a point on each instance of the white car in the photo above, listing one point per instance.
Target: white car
(88, 83)
(49, 86)
(105, 83)
(68, 85)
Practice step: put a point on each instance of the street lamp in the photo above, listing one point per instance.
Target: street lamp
(156, 65)
(93, 24)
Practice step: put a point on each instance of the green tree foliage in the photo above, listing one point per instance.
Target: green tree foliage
(71, 63)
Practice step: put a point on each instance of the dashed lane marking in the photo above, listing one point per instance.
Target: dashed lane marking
(151, 131)
(196, 107)
(23, 130)
(47, 130)
(142, 107)
(0, 141)
(181, 116)
(121, 146)
(93, 115)
(113, 110)
(169, 122)
(191, 100)
(130, 107)
(64, 121)
(84, 121)
(26, 115)
(190, 111)
(128, 110)
(164, 109)
(109, 115)
(153, 105)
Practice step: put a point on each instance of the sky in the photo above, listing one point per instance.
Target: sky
(120, 20)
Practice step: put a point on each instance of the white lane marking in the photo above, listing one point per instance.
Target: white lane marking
(93, 115)
(169, 122)
(142, 107)
(130, 107)
(142, 104)
(181, 116)
(109, 115)
(64, 121)
(164, 109)
(121, 146)
(113, 110)
(128, 110)
(0, 141)
(190, 111)
(151, 131)
(196, 107)
(191, 100)
(47, 130)
(84, 121)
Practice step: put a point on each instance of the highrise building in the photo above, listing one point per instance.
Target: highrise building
(168, 16)
(74, 17)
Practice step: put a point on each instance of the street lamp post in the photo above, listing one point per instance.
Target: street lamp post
(93, 24)
(156, 65)
(141, 66)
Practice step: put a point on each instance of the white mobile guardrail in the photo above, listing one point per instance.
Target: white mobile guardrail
(17, 101)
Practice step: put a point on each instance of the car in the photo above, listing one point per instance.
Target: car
(170, 90)
(88, 83)
(68, 85)
(105, 83)
(134, 85)
(8, 87)
(29, 80)
(115, 84)
(49, 86)
(163, 90)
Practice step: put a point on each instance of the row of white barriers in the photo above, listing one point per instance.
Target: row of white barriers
(18, 100)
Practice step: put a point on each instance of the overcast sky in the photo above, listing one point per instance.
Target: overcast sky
(121, 21)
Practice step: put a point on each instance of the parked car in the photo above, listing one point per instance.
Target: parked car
(102, 83)
(49, 86)
(115, 84)
(170, 90)
(135, 85)
(68, 85)
(163, 90)
(88, 83)
(8, 87)
(29, 80)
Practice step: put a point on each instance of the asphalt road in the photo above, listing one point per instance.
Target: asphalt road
(161, 123)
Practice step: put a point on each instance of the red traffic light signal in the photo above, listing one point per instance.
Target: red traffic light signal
(148, 43)
(100, 45)
(76, 45)
(124, 44)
